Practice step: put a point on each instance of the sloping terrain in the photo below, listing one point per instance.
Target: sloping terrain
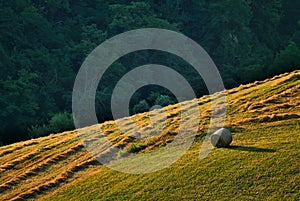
(262, 163)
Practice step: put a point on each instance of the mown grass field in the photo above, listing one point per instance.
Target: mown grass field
(262, 163)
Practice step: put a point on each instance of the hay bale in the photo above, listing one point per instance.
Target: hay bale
(221, 138)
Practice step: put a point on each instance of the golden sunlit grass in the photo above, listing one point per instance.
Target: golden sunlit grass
(262, 163)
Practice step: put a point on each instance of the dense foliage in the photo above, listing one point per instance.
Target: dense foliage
(43, 44)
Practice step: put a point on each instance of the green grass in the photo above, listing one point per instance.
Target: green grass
(136, 148)
(262, 163)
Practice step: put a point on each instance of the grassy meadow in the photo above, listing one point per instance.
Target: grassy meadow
(261, 164)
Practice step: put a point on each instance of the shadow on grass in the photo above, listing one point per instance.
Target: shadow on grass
(251, 149)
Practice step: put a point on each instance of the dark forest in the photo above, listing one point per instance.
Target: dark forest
(44, 43)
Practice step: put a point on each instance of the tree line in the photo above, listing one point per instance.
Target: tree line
(43, 44)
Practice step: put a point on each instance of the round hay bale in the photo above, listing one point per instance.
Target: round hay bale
(221, 138)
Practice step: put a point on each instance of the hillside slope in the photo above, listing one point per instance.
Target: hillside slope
(263, 162)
